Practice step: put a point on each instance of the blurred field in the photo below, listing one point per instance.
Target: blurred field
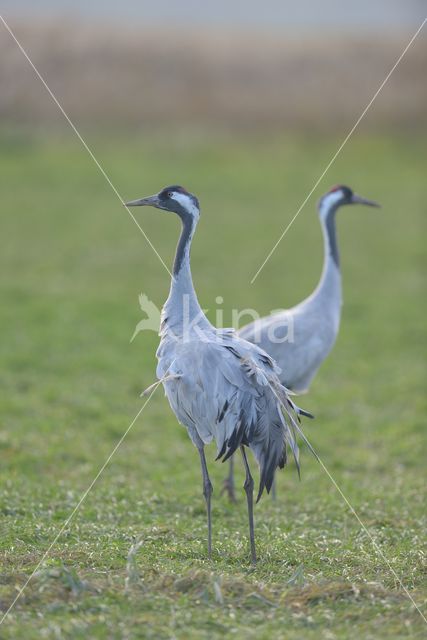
(72, 265)
(163, 77)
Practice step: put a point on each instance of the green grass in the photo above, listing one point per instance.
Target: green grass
(132, 563)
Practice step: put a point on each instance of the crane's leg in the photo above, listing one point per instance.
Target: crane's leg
(249, 488)
(229, 482)
(273, 490)
(207, 492)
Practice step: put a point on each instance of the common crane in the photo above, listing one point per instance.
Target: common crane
(299, 339)
(219, 386)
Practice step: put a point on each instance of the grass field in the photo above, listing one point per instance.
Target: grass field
(132, 563)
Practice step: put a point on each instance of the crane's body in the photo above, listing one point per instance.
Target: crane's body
(299, 339)
(220, 387)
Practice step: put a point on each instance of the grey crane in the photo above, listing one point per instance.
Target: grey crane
(219, 386)
(299, 339)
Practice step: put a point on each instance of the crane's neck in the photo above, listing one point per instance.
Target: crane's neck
(330, 236)
(330, 281)
(182, 314)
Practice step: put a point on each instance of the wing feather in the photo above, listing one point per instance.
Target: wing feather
(228, 390)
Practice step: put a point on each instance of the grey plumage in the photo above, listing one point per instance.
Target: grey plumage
(299, 339)
(313, 324)
(220, 387)
(228, 392)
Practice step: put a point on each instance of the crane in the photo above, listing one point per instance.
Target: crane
(219, 386)
(299, 339)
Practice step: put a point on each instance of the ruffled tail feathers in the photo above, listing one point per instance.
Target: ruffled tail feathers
(290, 415)
(272, 453)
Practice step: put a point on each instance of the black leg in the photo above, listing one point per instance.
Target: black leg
(229, 482)
(207, 492)
(249, 488)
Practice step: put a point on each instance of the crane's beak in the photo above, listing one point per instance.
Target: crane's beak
(359, 200)
(151, 201)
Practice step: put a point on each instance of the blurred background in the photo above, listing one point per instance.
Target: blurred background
(238, 65)
(245, 104)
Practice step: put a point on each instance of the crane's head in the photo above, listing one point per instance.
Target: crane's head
(339, 196)
(175, 199)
